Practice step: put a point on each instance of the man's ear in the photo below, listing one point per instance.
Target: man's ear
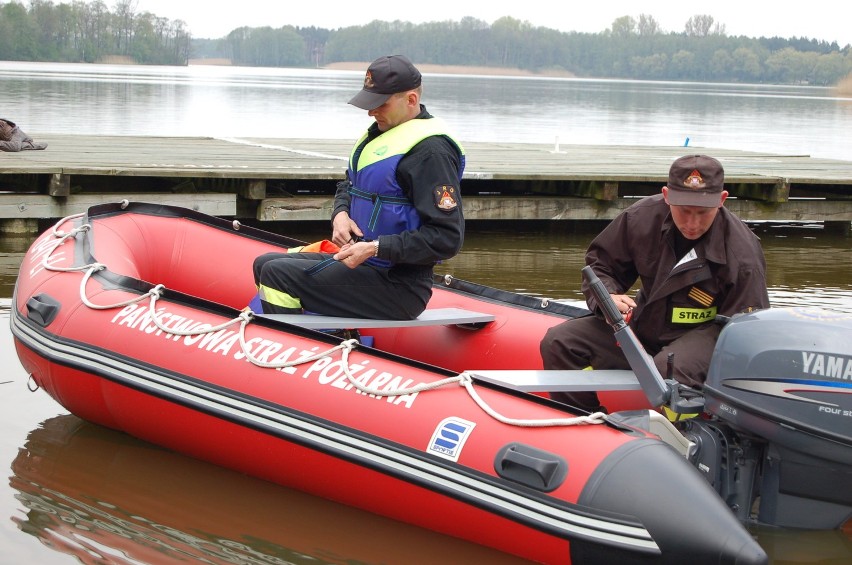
(666, 193)
(413, 98)
(724, 197)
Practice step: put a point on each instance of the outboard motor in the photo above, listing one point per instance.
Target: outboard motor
(778, 439)
(772, 431)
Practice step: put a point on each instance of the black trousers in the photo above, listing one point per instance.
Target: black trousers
(328, 287)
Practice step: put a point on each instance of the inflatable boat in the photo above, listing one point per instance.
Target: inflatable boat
(134, 316)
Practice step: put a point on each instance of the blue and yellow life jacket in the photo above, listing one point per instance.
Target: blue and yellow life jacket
(379, 205)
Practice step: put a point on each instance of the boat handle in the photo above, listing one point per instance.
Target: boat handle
(531, 466)
(42, 309)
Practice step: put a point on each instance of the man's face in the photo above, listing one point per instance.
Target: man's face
(693, 221)
(396, 110)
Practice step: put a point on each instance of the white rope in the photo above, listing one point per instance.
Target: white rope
(247, 315)
(345, 347)
(594, 418)
(466, 380)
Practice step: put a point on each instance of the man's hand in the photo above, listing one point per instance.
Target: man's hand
(624, 303)
(343, 230)
(353, 254)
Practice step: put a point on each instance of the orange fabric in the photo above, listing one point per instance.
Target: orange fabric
(324, 246)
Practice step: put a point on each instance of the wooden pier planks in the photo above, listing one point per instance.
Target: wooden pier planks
(502, 180)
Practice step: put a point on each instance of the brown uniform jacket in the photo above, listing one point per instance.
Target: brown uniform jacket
(726, 276)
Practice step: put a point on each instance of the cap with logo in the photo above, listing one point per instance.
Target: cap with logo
(696, 180)
(385, 77)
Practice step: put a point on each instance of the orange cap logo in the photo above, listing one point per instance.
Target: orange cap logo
(694, 180)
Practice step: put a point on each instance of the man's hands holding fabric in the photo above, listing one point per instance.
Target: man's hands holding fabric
(353, 254)
(344, 230)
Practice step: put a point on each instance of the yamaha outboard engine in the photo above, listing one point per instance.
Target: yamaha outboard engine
(778, 441)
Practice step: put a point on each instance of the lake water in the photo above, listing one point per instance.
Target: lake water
(238, 101)
(80, 493)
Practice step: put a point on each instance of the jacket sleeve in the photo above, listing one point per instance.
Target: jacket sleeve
(748, 290)
(342, 198)
(610, 257)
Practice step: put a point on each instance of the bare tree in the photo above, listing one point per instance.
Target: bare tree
(703, 25)
(125, 12)
(648, 25)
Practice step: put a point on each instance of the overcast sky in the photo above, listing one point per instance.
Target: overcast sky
(815, 19)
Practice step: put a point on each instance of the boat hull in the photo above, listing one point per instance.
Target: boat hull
(130, 324)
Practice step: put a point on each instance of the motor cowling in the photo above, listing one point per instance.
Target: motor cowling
(784, 375)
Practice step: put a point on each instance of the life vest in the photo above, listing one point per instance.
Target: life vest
(378, 204)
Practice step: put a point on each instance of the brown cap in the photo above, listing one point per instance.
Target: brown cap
(696, 180)
(386, 76)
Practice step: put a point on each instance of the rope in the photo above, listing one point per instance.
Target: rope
(244, 319)
(465, 380)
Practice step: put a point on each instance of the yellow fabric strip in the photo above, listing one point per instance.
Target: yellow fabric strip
(278, 298)
(693, 315)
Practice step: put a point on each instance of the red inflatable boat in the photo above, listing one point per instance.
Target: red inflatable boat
(133, 316)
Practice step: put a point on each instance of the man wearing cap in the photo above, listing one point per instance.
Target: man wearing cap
(398, 213)
(693, 259)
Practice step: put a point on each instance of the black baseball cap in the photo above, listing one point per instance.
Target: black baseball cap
(696, 180)
(385, 77)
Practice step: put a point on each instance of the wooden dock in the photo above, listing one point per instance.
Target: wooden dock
(294, 179)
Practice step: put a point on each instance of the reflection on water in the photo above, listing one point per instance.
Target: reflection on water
(259, 102)
(787, 547)
(104, 497)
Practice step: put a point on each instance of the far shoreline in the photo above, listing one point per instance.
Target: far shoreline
(425, 68)
(843, 88)
(457, 70)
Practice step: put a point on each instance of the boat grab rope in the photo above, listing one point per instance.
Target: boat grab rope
(245, 317)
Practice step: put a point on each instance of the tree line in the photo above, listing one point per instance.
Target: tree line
(88, 32)
(632, 48)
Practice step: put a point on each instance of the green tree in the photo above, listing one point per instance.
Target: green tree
(623, 26)
(830, 66)
(745, 65)
(268, 47)
(509, 36)
(791, 66)
(630, 48)
(18, 34)
(682, 65)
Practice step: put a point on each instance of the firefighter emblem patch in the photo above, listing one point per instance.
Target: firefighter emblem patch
(445, 198)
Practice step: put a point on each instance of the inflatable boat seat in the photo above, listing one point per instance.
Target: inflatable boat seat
(429, 317)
